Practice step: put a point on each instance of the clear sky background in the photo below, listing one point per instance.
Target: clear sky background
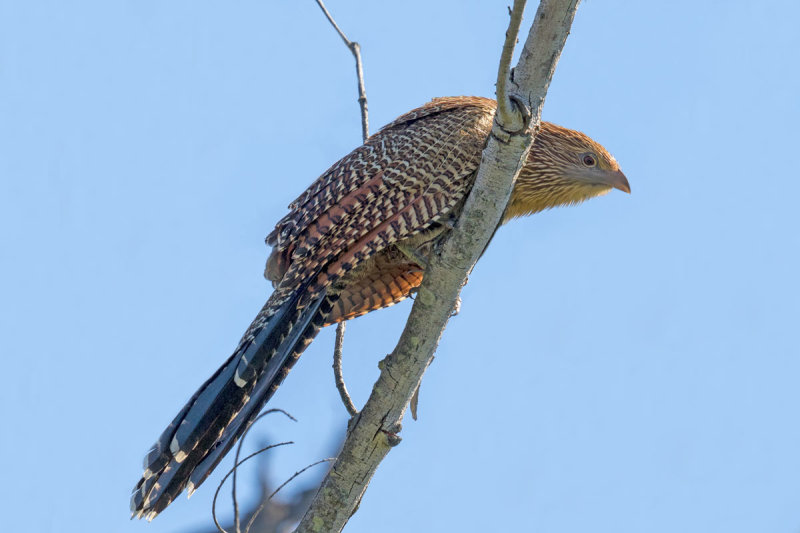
(630, 365)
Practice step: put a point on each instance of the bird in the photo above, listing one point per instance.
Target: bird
(356, 240)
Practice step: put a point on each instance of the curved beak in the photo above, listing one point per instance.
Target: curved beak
(618, 180)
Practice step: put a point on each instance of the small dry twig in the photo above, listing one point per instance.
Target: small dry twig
(337, 372)
(355, 48)
(236, 463)
(505, 103)
(291, 478)
(231, 471)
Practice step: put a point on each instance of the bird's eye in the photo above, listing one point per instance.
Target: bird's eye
(589, 160)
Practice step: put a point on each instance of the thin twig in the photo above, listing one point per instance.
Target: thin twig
(355, 49)
(362, 91)
(336, 27)
(337, 371)
(231, 471)
(505, 107)
(236, 462)
(264, 503)
(274, 492)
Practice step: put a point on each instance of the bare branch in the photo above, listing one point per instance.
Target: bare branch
(374, 431)
(336, 27)
(362, 91)
(355, 49)
(541, 51)
(236, 463)
(327, 460)
(337, 372)
(231, 471)
(504, 104)
(291, 478)
(267, 500)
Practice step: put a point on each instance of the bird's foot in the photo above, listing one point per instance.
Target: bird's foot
(413, 254)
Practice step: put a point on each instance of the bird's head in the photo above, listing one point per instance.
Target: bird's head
(564, 167)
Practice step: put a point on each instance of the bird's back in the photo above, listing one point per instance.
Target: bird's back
(408, 175)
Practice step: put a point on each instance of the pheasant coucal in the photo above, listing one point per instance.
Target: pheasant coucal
(355, 241)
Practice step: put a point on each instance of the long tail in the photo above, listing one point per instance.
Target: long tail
(224, 406)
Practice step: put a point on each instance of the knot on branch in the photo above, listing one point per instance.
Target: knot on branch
(512, 121)
(391, 434)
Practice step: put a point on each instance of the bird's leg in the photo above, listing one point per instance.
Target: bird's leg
(412, 253)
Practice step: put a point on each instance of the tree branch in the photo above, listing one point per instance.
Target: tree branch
(505, 108)
(374, 432)
(232, 471)
(235, 469)
(355, 48)
(264, 503)
(337, 371)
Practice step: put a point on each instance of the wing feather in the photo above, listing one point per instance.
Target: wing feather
(412, 173)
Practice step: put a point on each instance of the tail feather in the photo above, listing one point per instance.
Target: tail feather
(265, 387)
(160, 455)
(222, 409)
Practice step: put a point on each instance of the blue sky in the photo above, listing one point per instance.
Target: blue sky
(628, 365)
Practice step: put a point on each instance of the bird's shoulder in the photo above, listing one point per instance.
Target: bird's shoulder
(446, 135)
(475, 106)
